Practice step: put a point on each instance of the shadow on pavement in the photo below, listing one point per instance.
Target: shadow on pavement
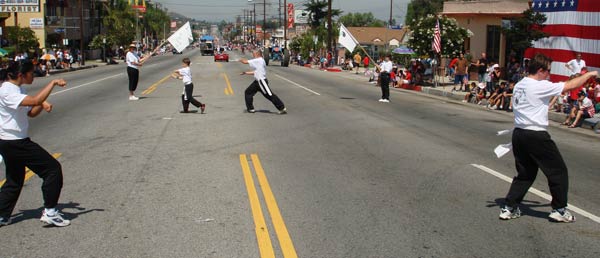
(65, 208)
(527, 207)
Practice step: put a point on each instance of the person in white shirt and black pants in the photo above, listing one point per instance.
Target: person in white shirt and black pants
(133, 73)
(185, 74)
(19, 151)
(533, 148)
(385, 70)
(260, 83)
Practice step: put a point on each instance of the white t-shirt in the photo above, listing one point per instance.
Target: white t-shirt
(387, 66)
(130, 58)
(14, 123)
(530, 102)
(260, 68)
(576, 66)
(186, 73)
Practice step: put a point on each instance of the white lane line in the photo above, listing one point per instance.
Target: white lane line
(85, 84)
(307, 89)
(539, 193)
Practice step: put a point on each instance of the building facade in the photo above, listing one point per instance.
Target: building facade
(484, 19)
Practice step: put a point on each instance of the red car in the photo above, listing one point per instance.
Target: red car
(221, 56)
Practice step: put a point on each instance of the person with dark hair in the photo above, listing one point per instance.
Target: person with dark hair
(260, 83)
(583, 110)
(533, 148)
(185, 74)
(19, 151)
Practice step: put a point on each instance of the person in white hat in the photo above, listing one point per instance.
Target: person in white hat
(133, 73)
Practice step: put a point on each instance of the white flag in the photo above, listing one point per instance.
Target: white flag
(346, 39)
(182, 37)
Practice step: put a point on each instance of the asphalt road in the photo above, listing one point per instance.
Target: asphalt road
(341, 175)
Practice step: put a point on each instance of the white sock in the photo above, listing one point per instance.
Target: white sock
(50, 211)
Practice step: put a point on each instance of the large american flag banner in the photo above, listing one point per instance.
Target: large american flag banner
(436, 45)
(573, 26)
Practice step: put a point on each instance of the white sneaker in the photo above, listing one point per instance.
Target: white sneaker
(464, 101)
(380, 100)
(132, 97)
(4, 221)
(56, 219)
(386, 101)
(561, 216)
(507, 213)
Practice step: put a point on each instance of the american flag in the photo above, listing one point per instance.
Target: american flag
(573, 26)
(436, 45)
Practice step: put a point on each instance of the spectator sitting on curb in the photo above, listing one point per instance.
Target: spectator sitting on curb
(492, 100)
(558, 102)
(472, 93)
(404, 77)
(507, 97)
(394, 77)
(597, 91)
(585, 110)
(480, 93)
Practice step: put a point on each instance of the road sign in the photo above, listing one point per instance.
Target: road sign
(290, 14)
(59, 30)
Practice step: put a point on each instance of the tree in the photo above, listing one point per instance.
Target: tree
(120, 22)
(318, 11)
(452, 35)
(524, 30)
(361, 20)
(24, 38)
(422, 8)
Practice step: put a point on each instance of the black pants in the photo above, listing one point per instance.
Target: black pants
(385, 86)
(533, 150)
(263, 87)
(187, 98)
(18, 154)
(134, 75)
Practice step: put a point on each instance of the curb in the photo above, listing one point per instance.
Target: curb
(71, 69)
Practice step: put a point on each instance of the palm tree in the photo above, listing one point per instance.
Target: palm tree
(318, 11)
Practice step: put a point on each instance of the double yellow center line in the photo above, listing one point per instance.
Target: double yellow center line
(265, 245)
(28, 172)
(153, 86)
(228, 89)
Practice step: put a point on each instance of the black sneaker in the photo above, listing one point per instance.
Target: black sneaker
(283, 111)
(4, 221)
(202, 108)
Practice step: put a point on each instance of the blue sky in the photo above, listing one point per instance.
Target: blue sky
(216, 10)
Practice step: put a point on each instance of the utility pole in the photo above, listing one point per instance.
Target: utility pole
(329, 29)
(264, 28)
(285, 25)
(81, 33)
(18, 29)
(254, 14)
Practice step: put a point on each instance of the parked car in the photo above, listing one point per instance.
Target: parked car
(222, 56)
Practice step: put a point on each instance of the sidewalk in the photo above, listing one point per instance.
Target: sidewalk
(444, 91)
(76, 67)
